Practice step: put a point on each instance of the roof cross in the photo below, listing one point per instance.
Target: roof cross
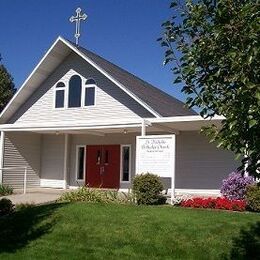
(78, 19)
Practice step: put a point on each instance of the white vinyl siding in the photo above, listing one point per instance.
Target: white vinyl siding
(200, 164)
(52, 157)
(111, 101)
(22, 150)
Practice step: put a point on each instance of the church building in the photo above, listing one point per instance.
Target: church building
(76, 119)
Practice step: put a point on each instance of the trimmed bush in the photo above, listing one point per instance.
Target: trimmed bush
(82, 194)
(147, 189)
(6, 207)
(253, 197)
(85, 194)
(5, 190)
(234, 187)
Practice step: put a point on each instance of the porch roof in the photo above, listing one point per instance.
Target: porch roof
(165, 124)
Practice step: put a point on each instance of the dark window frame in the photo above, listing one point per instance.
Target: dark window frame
(60, 88)
(80, 177)
(90, 84)
(75, 101)
(122, 166)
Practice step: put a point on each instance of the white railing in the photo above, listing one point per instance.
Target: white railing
(17, 168)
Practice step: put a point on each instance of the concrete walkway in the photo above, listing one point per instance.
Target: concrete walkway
(36, 196)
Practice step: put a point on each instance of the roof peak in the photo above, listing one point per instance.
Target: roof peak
(81, 48)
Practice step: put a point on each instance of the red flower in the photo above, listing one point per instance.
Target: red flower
(215, 203)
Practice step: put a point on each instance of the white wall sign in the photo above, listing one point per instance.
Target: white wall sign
(156, 154)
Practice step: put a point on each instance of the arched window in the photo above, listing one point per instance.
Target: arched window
(90, 82)
(59, 95)
(74, 91)
(90, 93)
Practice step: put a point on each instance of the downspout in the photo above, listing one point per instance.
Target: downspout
(2, 148)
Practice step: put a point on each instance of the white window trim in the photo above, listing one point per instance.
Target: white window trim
(77, 161)
(65, 95)
(84, 95)
(121, 162)
(68, 91)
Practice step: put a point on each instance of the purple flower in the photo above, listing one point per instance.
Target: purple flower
(234, 187)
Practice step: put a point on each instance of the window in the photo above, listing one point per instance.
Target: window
(75, 91)
(125, 163)
(80, 162)
(59, 95)
(89, 93)
(90, 82)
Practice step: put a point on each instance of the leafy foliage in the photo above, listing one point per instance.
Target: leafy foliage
(6, 207)
(213, 47)
(5, 190)
(234, 187)
(253, 197)
(7, 88)
(85, 194)
(147, 189)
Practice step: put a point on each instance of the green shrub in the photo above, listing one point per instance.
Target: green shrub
(85, 194)
(253, 197)
(82, 194)
(118, 197)
(6, 207)
(147, 189)
(5, 190)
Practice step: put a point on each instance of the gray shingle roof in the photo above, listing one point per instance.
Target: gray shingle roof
(161, 102)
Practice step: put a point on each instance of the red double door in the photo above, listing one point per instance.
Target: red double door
(103, 166)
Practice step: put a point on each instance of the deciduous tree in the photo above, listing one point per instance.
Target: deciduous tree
(213, 48)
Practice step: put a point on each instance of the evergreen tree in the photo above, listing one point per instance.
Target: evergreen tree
(7, 87)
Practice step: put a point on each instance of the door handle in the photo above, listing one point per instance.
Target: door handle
(102, 170)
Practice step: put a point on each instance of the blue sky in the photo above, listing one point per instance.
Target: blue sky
(122, 31)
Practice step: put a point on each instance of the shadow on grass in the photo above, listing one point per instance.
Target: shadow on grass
(25, 225)
(247, 244)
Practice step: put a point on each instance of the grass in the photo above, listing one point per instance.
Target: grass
(110, 231)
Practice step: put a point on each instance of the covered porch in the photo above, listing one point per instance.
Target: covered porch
(58, 156)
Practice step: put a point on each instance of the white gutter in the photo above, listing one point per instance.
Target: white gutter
(66, 128)
(178, 119)
(105, 125)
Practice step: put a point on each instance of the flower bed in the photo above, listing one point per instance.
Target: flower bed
(234, 187)
(215, 203)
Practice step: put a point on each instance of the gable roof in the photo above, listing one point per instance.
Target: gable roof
(159, 103)
(163, 103)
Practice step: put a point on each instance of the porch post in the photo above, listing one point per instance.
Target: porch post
(143, 128)
(173, 167)
(2, 147)
(66, 159)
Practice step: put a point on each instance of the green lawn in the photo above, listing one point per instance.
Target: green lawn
(96, 231)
